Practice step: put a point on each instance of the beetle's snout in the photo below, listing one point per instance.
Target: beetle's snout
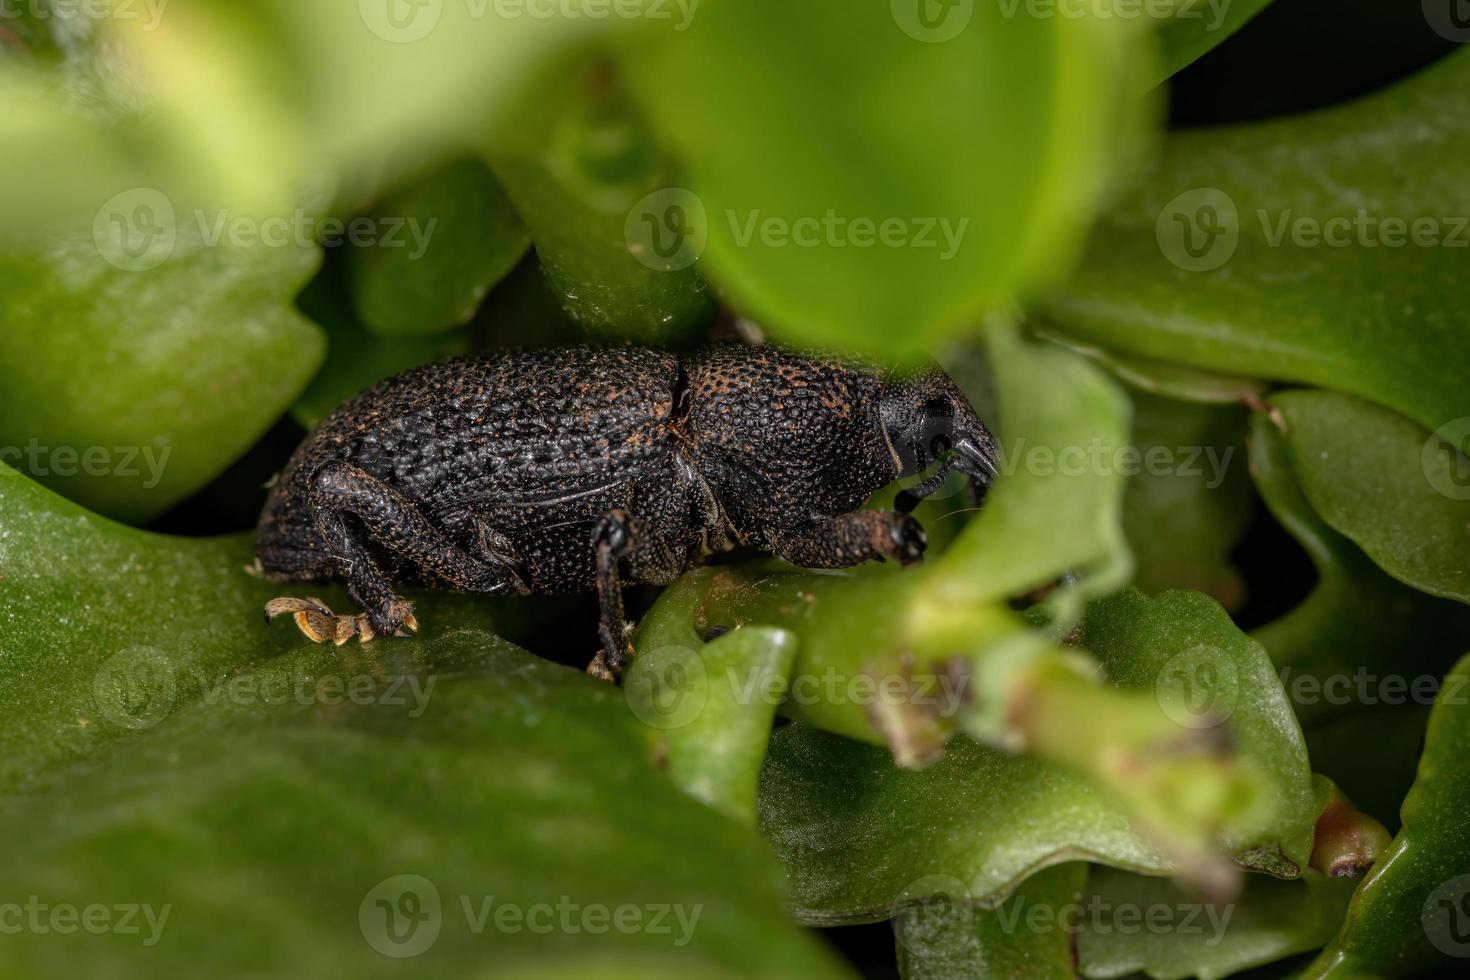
(975, 461)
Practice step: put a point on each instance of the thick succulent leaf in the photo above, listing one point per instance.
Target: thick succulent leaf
(871, 186)
(357, 358)
(128, 386)
(1383, 321)
(1131, 924)
(1053, 510)
(1207, 674)
(108, 630)
(1027, 936)
(583, 173)
(708, 707)
(447, 239)
(1398, 492)
(1198, 25)
(1166, 379)
(1357, 622)
(1189, 496)
(1412, 913)
(456, 801)
(856, 832)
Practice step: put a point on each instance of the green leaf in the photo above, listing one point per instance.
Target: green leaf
(1384, 322)
(1409, 915)
(709, 707)
(1197, 26)
(1206, 673)
(115, 629)
(1371, 754)
(857, 834)
(582, 172)
(1358, 631)
(1131, 924)
(1054, 509)
(459, 236)
(1189, 496)
(339, 809)
(131, 380)
(872, 188)
(855, 831)
(1382, 481)
(1028, 936)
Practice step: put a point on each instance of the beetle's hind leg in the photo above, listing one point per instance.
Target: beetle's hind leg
(353, 510)
(620, 539)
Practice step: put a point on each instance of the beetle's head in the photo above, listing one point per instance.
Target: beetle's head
(927, 419)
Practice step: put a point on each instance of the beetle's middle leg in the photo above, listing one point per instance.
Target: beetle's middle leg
(352, 509)
(851, 539)
(620, 539)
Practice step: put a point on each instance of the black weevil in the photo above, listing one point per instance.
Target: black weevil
(569, 469)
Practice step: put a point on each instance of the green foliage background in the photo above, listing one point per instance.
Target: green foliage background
(1120, 742)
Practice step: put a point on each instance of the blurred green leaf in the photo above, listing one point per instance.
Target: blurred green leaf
(456, 801)
(1377, 478)
(1198, 25)
(356, 358)
(1383, 322)
(1189, 497)
(1409, 916)
(447, 238)
(581, 170)
(1027, 936)
(1131, 924)
(141, 360)
(882, 180)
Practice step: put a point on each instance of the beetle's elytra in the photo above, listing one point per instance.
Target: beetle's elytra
(569, 469)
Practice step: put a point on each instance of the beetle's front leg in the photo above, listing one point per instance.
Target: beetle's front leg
(382, 515)
(851, 539)
(619, 539)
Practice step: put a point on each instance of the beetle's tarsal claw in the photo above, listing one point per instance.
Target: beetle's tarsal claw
(599, 669)
(317, 622)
